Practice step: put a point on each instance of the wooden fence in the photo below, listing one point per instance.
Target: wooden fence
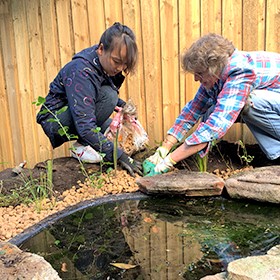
(39, 36)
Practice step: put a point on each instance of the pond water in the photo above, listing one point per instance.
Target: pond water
(165, 238)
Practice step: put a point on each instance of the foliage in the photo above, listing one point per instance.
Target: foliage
(35, 190)
(96, 180)
(245, 157)
(201, 163)
(63, 131)
(32, 190)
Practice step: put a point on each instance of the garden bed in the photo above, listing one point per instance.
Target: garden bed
(70, 185)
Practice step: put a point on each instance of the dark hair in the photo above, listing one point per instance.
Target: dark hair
(209, 53)
(125, 37)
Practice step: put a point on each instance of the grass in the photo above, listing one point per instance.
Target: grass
(201, 163)
(36, 190)
(30, 190)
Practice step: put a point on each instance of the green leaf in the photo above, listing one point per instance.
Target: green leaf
(62, 110)
(96, 130)
(57, 242)
(52, 120)
(73, 136)
(63, 131)
(41, 99)
(44, 111)
(89, 216)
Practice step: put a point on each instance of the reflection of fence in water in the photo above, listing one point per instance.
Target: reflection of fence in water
(160, 249)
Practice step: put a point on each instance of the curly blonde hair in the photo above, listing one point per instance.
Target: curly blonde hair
(209, 53)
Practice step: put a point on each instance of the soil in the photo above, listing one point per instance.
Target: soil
(70, 186)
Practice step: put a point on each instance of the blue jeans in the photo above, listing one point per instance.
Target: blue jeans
(105, 105)
(262, 115)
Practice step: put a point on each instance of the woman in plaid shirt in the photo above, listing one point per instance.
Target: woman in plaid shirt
(233, 84)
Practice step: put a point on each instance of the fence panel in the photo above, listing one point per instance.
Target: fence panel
(38, 37)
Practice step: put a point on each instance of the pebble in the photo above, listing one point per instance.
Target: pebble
(14, 220)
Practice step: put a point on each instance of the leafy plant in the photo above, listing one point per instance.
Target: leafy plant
(64, 131)
(97, 180)
(57, 242)
(245, 157)
(32, 190)
(39, 189)
(201, 163)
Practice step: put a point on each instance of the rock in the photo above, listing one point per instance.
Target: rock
(261, 184)
(18, 265)
(256, 268)
(266, 267)
(189, 183)
(219, 276)
(274, 251)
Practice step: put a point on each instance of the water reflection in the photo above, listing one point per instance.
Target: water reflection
(167, 238)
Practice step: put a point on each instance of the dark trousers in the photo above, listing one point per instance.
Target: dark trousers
(105, 105)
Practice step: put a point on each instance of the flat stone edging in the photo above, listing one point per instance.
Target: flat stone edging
(182, 182)
(259, 184)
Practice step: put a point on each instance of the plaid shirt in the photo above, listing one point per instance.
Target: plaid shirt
(244, 72)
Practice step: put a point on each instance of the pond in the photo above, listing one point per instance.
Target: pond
(156, 238)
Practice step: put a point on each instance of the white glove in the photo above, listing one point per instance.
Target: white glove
(159, 155)
(165, 165)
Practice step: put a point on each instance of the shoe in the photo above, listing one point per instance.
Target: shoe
(85, 153)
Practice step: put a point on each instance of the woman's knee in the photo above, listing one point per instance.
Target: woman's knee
(261, 113)
(108, 96)
(105, 104)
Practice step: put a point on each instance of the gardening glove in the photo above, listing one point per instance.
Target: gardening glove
(150, 163)
(131, 165)
(164, 166)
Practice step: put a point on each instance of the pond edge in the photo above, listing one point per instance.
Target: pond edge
(37, 228)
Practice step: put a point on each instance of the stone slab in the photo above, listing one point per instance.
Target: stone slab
(188, 183)
(260, 184)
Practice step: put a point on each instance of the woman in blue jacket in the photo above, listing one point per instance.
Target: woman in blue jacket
(88, 85)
